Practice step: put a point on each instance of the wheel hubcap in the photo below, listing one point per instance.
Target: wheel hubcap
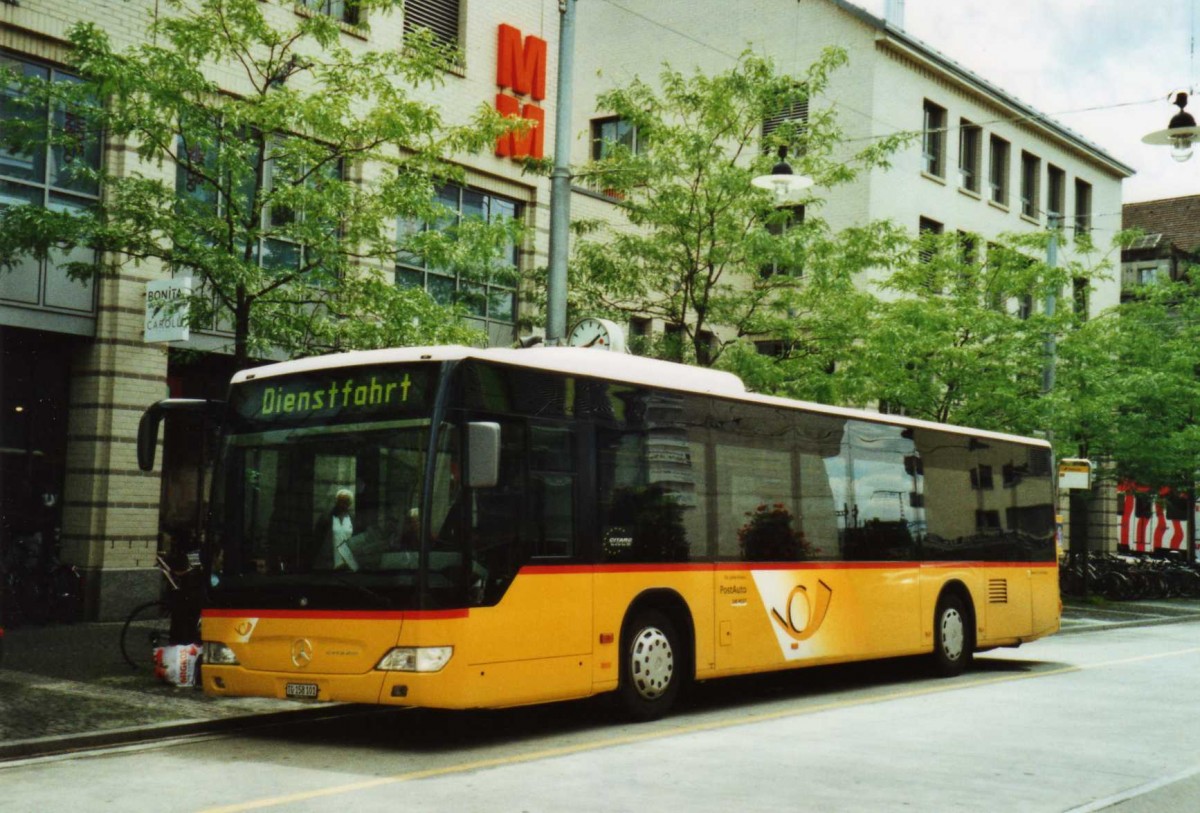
(652, 663)
(953, 634)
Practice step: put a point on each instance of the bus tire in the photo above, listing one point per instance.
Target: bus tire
(952, 640)
(650, 666)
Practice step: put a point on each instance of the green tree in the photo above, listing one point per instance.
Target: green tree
(701, 248)
(959, 333)
(277, 189)
(1130, 387)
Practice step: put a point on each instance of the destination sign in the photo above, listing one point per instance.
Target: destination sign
(334, 396)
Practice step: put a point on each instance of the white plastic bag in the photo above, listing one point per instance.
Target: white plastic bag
(177, 665)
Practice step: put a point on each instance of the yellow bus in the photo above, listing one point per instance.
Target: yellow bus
(457, 528)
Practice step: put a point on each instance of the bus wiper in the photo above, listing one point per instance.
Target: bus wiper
(379, 598)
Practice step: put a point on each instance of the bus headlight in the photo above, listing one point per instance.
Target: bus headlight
(216, 653)
(416, 659)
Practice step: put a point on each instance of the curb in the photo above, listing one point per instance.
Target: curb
(1149, 621)
(67, 743)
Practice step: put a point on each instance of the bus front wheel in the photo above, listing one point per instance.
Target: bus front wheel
(952, 642)
(650, 673)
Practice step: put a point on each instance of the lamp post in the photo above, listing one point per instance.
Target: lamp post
(782, 181)
(1181, 131)
(560, 180)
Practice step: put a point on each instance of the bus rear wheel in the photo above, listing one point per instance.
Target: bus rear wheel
(650, 673)
(952, 640)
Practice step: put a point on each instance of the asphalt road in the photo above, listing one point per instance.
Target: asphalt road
(1096, 721)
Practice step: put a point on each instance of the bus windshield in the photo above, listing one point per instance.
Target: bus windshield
(320, 495)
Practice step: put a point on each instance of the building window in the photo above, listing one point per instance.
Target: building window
(934, 140)
(345, 11)
(1083, 207)
(968, 248)
(998, 170)
(928, 232)
(794, 216)
(981, 478)
(1134, 275)
(275, 245)
(612, 134)
(1080, 295)
(987, 520)
(640, 330)
(60, 175)
(1024, 306)
(1056, 194)
(491, 305)
(441, 17)
(796, 115)
(1031, 171)
(969, 138)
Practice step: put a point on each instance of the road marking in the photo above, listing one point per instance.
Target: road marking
(1140, 790)
(695, 728)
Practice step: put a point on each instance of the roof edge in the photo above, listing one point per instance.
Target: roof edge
(904, 41)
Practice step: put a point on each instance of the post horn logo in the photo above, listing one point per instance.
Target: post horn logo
(302, 652)
(817, 605)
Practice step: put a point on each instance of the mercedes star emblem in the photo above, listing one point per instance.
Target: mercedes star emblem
(302, 652)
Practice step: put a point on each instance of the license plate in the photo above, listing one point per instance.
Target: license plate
(304, 690)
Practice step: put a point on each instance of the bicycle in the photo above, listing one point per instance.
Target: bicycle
(149, 626)
(35, 587)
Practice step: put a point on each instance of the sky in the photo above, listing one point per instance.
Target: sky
(1102, 68)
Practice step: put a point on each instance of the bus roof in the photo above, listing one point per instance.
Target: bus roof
(574, 360)
(621, 367)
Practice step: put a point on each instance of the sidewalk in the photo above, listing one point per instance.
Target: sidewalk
(67, 687)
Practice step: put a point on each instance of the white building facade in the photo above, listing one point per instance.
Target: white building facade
(986, 163)
(998, 167)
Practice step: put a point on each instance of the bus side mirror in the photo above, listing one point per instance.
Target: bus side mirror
(147, 438)
(483, 454)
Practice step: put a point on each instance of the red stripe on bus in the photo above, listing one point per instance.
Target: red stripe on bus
(354, 615)
(548, 570)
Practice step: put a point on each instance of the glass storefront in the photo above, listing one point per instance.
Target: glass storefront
(34, 377)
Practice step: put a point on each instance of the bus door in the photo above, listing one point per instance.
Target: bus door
(533, 617)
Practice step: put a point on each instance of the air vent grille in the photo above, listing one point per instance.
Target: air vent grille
(997, 591)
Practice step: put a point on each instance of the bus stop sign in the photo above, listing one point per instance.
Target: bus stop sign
(1074, 473)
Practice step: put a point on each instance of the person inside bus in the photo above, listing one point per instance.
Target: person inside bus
(334, 532)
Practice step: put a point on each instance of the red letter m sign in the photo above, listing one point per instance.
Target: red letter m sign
(521, 66)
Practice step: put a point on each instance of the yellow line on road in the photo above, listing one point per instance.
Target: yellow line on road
(695, 728)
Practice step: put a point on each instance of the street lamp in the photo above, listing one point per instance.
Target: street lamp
(782, 181)
(1180, 132)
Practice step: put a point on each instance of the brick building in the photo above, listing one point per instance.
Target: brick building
(77, 373)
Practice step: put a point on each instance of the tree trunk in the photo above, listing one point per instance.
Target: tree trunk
(241, 330)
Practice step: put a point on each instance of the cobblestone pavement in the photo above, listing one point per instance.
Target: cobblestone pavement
(67, 687)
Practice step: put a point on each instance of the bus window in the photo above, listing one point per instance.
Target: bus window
(640, 520)
(882, 514)
(550, 520)
(756, 493)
